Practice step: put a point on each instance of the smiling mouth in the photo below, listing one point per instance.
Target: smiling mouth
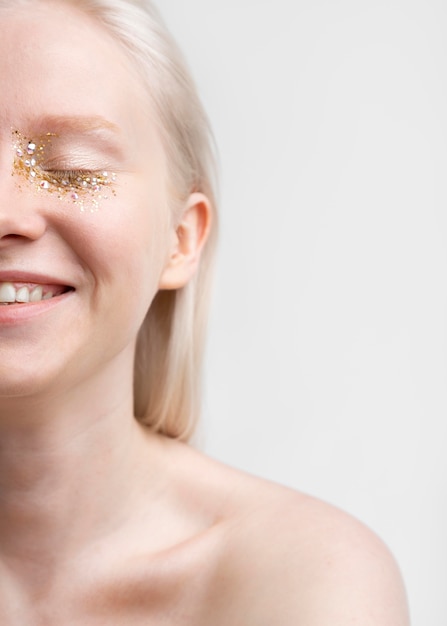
(26, 293)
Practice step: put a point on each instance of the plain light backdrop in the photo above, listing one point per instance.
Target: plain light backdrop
(327, 359)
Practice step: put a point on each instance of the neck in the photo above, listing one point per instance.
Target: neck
(60, 457)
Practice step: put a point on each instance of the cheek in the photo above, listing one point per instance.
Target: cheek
(124, 247)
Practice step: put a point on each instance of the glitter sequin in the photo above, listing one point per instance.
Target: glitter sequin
(83, 188)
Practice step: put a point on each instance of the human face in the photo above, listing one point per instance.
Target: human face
(72, 92)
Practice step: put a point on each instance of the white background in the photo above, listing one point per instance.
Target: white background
(327, 362)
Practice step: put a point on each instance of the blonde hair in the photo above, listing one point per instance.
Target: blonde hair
(167, 371)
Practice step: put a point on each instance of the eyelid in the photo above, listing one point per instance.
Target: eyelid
(73, 163)
(86, 148)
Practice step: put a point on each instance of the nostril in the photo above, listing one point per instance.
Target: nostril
(11, 238)
(6, 240)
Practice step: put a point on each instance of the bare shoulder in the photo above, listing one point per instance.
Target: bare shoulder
(296, 559)
(286, 558)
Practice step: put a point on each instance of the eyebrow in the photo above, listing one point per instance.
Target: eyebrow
(75, 124)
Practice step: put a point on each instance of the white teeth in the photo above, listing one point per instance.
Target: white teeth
(36, 294)
(22, 294)
(7, 292)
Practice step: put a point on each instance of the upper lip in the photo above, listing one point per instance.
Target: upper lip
(20, 276)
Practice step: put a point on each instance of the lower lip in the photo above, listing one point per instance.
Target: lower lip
(16, 314)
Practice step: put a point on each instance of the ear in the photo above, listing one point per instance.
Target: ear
(188, 240)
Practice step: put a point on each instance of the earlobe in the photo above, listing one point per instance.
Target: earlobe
(188, 241)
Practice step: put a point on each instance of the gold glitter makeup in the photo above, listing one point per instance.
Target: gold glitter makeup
(82, 187)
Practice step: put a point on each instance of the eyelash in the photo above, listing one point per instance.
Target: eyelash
(71, 178)
(79, 180)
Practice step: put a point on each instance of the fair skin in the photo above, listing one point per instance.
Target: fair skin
(102, 522)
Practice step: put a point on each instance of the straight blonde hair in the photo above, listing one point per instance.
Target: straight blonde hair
(168, 359)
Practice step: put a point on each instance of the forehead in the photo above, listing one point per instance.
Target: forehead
(58, 61)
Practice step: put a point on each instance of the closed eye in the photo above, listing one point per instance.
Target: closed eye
(77, 179)
(70, 177)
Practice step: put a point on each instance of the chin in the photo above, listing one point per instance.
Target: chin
(25, 377)
(21, 387)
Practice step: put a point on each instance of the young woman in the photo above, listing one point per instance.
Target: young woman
(107, 229)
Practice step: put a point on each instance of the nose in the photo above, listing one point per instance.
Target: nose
(20, 219)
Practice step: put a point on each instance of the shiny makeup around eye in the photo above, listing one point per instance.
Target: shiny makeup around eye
(83, 187)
